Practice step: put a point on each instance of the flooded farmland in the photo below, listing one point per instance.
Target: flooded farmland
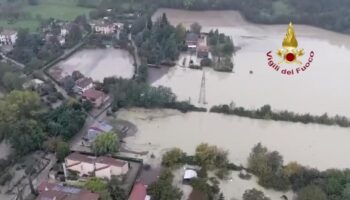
(97, 64)
(316, 146)
(321, 88)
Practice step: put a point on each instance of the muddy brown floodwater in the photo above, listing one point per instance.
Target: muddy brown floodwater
(99, 63)
(321, 88)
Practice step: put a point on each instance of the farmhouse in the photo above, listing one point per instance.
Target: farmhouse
(52, 191)
(94, 96)
(101, 167)
(8, 37)
(192, 41)
(83, 84)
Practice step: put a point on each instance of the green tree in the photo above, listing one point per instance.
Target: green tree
(173, 157)
(19, 105)
(163, 189)
(346, 192)
(210, 156)
(311, 192)
(196, 28)
(62, 150)
(106, 143)
(99, 186)
(26, 136)
(254, 194)
(117, 193)
(12, 81)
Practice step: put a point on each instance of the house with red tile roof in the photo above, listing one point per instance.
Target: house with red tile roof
(101, 167)
(139, 192)
(94, 96)
(53, 191)
(83, 84)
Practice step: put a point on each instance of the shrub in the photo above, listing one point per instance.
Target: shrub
(5, 178)
(206, 62)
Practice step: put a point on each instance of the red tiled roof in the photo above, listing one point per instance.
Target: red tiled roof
(92, 94)
(80, 157)
(50, 191)
(111, 161)
(139, 192)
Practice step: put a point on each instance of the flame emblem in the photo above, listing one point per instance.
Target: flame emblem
(290, 52)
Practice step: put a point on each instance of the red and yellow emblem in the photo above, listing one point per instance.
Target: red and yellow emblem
(290, 52)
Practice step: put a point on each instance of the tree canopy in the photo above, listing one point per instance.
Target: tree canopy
(106, 143)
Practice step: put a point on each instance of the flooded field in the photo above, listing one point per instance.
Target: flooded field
(318, 146)
(321, 88)
(97, 64)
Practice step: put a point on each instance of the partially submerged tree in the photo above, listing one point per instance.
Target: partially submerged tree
(173, 157)
(106, 143)
(254, 194)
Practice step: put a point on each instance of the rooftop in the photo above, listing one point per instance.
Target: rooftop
(93, 94)
(81, 157)
(91, 159)
(111, 161)
(139, 192)
(52, 191)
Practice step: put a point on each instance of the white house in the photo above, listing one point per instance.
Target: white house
(101, 167)
(83, 84)
(8, 37)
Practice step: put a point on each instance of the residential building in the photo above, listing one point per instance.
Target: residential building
(101, 167)
(8, 37)
(106, 167)
(139, 192)
(83, 164)
(98, 98)
(52, 191)
(83, 84)
(202, 51)
(192, 40)
(103, 27)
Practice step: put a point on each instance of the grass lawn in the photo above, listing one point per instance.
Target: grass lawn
(59, 9)
(32, 25)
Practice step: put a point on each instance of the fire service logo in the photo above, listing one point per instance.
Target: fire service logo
(289, 55)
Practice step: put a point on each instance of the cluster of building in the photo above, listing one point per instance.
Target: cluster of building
(8, 37)
(89, 166)
(63, 27)
(197, 43)
(85, 88)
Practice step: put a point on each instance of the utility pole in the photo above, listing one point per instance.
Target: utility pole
(202, 90)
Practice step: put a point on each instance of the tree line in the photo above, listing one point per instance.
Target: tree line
(129, 93)
(308, 183)
(266, 112)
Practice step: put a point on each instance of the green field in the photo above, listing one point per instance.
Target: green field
(59, 9)
(32, 25)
